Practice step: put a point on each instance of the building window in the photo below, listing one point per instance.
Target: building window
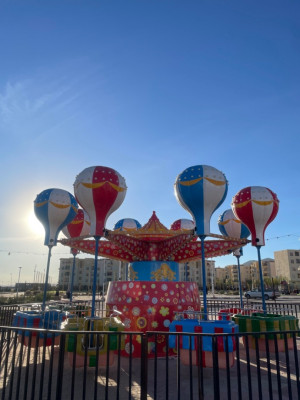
(297, 260)
(291, 254)
(292, 261)
(297, 253)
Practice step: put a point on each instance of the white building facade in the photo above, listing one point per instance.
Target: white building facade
(287, 266)
(108, 270)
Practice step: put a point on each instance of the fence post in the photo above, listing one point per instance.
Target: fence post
(60, 368)
(144, 366)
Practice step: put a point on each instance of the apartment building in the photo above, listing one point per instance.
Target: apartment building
(192, 271)
(108, 270)
(287, 266)
(249, 275)
(220, 274)
(227, 276)
(112, 270)
(250, 272)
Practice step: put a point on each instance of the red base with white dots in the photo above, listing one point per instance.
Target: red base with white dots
(150, 306)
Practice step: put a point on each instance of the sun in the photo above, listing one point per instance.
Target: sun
(34, 224)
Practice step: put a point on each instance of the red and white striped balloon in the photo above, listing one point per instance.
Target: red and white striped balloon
(183, 224)
(100, 191)
(256, 207)
(80, 226)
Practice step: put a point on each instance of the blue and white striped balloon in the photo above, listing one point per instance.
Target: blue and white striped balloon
(230, 226)
(201, 189)
(127, 225)
(54, 208)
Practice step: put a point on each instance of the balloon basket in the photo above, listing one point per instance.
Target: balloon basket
(201, 347)
(93, 344)
(147, 306)
(261, 344)
(51, 319)
(228, 313)
(260, 324)
(80, 311)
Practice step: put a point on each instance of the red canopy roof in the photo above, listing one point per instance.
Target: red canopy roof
(154, 242)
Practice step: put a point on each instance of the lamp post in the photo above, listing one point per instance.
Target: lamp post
(103, 282)
(212, 279)
(18, 281)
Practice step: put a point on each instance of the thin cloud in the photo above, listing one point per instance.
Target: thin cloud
(45, 100)
(20, 101)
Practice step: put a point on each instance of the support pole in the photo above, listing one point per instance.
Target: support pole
(72, 277)
(261, 281)
(202, 238)
(46, 279)
(240, 282)
(97, 238)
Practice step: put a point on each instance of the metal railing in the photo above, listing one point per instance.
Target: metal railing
(273, 307)
(7, 311)
(34, 364)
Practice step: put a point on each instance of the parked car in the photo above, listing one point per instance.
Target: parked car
(256, 294)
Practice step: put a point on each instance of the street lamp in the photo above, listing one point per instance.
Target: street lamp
(18, 281)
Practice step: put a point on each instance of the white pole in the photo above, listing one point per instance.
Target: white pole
(212, 279)
(103, 286)
(18, 281)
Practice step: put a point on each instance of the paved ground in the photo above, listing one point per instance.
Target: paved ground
(165, 380)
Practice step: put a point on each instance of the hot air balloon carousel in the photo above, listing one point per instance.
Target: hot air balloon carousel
(154, 292)
(55, 208)
(257, 207)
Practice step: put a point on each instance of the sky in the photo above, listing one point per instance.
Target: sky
(149, 88)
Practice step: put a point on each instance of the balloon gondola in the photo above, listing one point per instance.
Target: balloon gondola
(78, 227)
(229, 225)
(200, 190)
(55, 208)
(100, 191)
(256, 207)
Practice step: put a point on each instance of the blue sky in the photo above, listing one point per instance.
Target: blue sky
(147, 87)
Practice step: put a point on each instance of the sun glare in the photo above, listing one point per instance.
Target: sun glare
(34, 224)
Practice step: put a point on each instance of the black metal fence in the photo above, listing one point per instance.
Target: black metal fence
(44, 364)
(213, 307)
(274, 306)
(7, 311)
(39, 364)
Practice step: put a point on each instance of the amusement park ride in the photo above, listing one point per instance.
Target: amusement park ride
(154, 299)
